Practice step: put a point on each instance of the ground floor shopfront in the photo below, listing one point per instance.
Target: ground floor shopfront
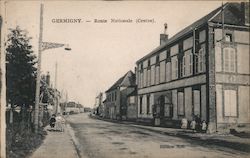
(173, 104)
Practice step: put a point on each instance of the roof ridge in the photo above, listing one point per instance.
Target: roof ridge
(182, 31)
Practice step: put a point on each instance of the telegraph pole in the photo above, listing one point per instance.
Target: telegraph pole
(38, 77)
(55, 91)
(41, 47)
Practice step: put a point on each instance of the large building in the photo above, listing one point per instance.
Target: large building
(201, 71)
(116, 97)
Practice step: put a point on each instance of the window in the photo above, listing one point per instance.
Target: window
(138, 79)
(200, 64)
(157, 59)
(141, 80)
(196, 99)
(228, 37)
(180, 103)
(132, 100)
(148, 77)
(168, 53)
(141, 67)
(200, 60)
(230, 103)
(174, 68)
(152, 75)
(115, 96)
(187, 63)
(140, 105)
(168, 71)
(149, 63)
(148, 104)
(183, 66)
(145, 78)
(162, 71)
(190, 64)
(229, 60)
(157, 75)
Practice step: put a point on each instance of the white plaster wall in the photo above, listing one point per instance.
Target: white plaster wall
(243, 58)
(219, 103)
(244, 104)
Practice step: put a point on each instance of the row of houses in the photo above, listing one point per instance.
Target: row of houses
(202, 71)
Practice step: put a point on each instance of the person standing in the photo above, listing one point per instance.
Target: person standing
(52, 121)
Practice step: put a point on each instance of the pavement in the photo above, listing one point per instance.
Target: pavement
(56, 144)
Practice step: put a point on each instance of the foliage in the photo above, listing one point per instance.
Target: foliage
(46, 91)
(20, 69)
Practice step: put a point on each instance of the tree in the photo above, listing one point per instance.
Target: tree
(20, 69)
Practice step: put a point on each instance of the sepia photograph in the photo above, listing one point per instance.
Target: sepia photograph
(124, 79)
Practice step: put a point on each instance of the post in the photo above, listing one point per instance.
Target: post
(56, 96)
(38, 78)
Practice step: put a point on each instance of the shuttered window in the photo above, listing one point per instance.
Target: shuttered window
(196, 95)
(230, 103)
(149, 77)
(229, 60)
(168, 71)
(180, 103)
(162, 71)
(201, 60)
(152, 75)
(157, 75)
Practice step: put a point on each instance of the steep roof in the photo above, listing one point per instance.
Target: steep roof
(126, 80)
(231, 10)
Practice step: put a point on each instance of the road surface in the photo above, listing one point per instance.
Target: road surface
(101, 139)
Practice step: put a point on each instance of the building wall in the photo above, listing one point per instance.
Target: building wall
(123, 101)
(112, 103)
(232, 79)
(132, 107)
(175, 69)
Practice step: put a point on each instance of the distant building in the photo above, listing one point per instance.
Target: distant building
(132, 106)
(202, 70)
(116, 96)
(99, 104)
(72, 107)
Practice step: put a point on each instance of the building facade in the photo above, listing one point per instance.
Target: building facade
(201, 71)
(116, 97)
(132, 106)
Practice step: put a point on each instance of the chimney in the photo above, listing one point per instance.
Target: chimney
(164, 36)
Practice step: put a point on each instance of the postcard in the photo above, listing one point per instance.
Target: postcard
(139, 79)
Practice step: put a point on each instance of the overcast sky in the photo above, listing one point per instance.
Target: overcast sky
(101, 52)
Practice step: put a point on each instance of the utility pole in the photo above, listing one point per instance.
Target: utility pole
(41, 47)
(55, 90)
(38, 77)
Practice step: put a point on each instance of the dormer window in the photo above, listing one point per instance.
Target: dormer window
(228, 37)
(157, 59)
(149, 63)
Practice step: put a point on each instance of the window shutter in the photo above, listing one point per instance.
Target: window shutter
(226, 59)
(232, 57)
(180, 103)
(196, 94)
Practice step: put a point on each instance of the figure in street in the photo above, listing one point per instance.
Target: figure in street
(52, 121)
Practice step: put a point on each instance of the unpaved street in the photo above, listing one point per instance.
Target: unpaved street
(100, 139)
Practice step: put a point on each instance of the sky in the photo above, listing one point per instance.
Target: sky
(100, 52)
